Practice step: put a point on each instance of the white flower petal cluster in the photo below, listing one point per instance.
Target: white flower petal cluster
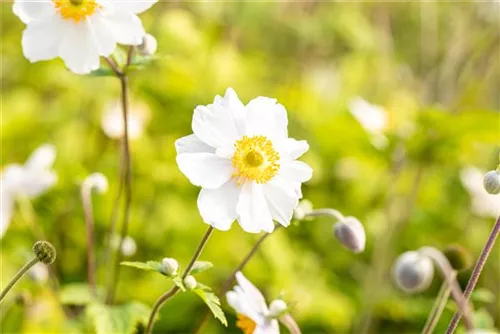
(112, 120)
(245, 163)
(253, 313)
(372, 118)
(79, 31)
(483, 204)
(26, 181)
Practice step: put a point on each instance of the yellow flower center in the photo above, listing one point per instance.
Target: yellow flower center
(255, 159)
(76, 10)
(246, 324)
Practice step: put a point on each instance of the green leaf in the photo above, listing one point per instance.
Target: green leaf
(178, 281)
(148, 266)
(117, 319)
(200, 266)
(79, 294)
(102, 72)
(212, 302)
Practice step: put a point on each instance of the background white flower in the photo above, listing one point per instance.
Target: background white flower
(79, 31)
(372, 118)
(129, 247)
(39, 272)
(249, 303)
(245, 163)
(483, 204)
(29, 181)
(112, 120)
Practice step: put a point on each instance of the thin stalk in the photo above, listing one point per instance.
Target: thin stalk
(170, 293)
(476, 273)
(449, 276)
(18, 276)
(89, 226)
(289, 322)
(438, 308)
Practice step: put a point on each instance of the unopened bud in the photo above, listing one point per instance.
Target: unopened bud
(169, 266)
(45, 252)
(148, 46)
(491, 182)
(190, 282)
(413, 272)
(305, 206)
(351, 233)
(277, 308)
(96, 181)
(23, 298)
(459, 257)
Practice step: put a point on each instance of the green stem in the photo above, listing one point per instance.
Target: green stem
(438, 308)
(18, 276)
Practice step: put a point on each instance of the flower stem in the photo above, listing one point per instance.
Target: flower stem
(16, 278)
(170, 293)
(89, 225)
(437, 309)
(290, 323)
(476, 273)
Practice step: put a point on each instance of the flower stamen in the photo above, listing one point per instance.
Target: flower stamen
(76, 10)
(246, 324)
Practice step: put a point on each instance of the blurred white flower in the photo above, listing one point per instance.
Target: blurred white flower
(148, 46)
(372, 118)
(96, 181)
(39, 272)
(129, 247)
(483, 204)
(250, 305)
(79, 31)
(305, 207)
(112, 120)
(245, 163)
(26, 181)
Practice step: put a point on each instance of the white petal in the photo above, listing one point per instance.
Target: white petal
(125, 27)
(253, 213)
(253, 296)
(103, 37)
(42, 38)
(28, 10)
(232, 102)
(265, 117)
(78, 49)
(42, 158)
(280, 204)
(191, 144)
(37, 182)
(205, 169)
(135, 6)
(218, 206)
(268, 327)
(216, 127)
(7, 204)
(293, 148)
(233, 301)
(297, 171)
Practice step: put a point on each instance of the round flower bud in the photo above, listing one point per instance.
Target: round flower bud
(45, 252)
(277, 308)
(148, 46)
(169, 266)
(491, 182)
(305, 206)
(413, 272)
(459, 257)
(351, 233)
(190, 282)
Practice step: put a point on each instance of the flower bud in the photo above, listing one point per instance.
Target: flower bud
(491, 182)
(413, 272)
(169, 266)
(45, 252)
(351, 233)
(277, 308)
(148, 46)
(305, 206)
(459, 257)
(190, 282)
(96, 181)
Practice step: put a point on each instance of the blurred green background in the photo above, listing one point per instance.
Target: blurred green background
(434, 67)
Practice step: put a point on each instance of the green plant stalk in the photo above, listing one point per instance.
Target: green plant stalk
(89, 226)
(438, 308)
(170, 293)
(17, 277)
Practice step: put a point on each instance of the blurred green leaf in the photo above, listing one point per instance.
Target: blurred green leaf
(102, 72)
(212, 302)
(117, 319)
(201, 266)
(79, 294)
(483, 295)
(148, 266)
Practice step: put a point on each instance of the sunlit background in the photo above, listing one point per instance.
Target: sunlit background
(398, 101)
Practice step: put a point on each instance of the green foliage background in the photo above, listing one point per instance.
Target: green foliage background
(435, 67)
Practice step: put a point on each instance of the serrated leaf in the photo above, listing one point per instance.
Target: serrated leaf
(102, 72)
(148, 266)
(117, 319)
(79, 294)
(212, 302)
(201, 266)
(178, 281)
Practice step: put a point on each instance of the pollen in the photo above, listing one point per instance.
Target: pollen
(246, 324)
(76, 10)
(255, 159)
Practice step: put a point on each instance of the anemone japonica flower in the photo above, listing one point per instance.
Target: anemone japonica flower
(372, 118)
(26, 181)
(112, 120)
(79, 31)
(245, 163)
(253, 314)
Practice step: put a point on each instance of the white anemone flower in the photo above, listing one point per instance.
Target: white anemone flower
(245, 163)
(253, 313)
(79, 31)
(129, 247)
(112, 120)
(372, 118)
(26, 181)
(483, 204)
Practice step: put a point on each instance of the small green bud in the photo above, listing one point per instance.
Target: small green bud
(277, 308)
(169, 266)
(190, 282)
(459, 257)
(413, 272)
(44, 251)
(491, 182)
